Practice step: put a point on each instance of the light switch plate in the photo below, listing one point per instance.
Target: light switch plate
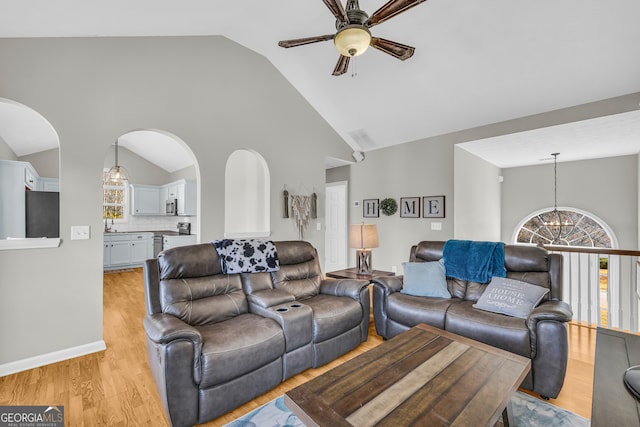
(80, 232)
(436, 226)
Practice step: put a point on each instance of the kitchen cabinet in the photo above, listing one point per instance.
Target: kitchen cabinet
(126, 249)
(15, 178)
(151, 199)
(187, 199)
(120, 253)
(172, 190)
(185, 191)
(141, 248)
(169, 242)
(145, 200)
(30, 177)
(49, 184)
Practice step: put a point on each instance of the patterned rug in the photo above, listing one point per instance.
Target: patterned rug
(527, 412)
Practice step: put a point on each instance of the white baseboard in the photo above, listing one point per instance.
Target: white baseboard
(48, 358)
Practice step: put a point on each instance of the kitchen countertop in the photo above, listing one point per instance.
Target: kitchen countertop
(154, 232)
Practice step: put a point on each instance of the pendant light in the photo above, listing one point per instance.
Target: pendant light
(117, 175)
(559, 224)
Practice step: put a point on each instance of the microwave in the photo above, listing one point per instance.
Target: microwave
(171, 207)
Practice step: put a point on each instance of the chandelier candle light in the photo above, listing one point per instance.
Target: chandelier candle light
(560, 225)
(363, 237)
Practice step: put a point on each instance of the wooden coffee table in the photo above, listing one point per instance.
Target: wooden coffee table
(424, 376)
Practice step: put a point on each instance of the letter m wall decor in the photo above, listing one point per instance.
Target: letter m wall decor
(410, 207)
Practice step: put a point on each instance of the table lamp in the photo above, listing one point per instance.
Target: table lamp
(363, 237)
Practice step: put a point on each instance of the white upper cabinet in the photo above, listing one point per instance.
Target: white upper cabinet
(145, 200)
(151, 199)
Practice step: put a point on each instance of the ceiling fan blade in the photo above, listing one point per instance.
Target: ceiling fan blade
(335, 6)
(395, 49)
(391, 9)
(341, 66)
(303, 41)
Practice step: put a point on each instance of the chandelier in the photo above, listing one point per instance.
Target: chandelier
(558, 223)
(117, 175)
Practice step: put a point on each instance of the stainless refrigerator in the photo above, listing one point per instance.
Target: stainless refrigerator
(42, 214)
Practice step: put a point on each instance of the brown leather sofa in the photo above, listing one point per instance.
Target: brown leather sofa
(542, 337)
(216, 341)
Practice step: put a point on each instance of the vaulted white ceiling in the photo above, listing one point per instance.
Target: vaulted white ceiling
(476, 62)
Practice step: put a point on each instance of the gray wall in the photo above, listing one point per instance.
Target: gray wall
(6, 153)
(607, 188)
(416, 169)
(46, 163)
(186, 173)
(212, 93)
(477, 196)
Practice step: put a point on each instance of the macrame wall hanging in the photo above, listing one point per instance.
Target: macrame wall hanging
(303, 209)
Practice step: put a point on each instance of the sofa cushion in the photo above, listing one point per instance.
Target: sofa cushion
(510, 297)
(333, 315)
(425, 279)
(203, 300)
(410, 310)
(505, 332)
(238, 346)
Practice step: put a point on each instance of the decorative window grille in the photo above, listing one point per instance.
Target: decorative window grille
(114, 203)
(587, 231)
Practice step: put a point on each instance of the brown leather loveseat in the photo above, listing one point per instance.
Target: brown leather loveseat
(542, 336)
(216, 341)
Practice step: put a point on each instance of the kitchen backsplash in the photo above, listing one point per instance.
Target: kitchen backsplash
(153, 223)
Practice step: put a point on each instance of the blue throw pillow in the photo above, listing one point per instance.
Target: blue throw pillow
(510, 297)
(425, 279)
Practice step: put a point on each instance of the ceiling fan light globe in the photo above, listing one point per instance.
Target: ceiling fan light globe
(352, 40)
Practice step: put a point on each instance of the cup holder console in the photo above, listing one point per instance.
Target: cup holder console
(284, 308)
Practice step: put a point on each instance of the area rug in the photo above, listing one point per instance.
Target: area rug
(527, 412)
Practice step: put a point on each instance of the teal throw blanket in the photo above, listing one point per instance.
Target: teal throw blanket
(474, 261)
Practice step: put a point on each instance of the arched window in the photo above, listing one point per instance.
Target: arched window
(246, 195)
(587, 231)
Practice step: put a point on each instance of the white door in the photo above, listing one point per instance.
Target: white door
(335, 243)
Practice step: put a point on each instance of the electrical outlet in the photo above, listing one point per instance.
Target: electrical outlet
(80, 232)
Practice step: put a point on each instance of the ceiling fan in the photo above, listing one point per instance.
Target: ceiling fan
(353, 36)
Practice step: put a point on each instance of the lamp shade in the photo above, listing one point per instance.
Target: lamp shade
(352, 40)
(363, 236)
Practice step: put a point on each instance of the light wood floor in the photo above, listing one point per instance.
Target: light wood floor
(115, 387)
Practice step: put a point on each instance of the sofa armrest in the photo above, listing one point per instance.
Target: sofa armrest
(389, 284)
(269, 298)
(343, 287)
(559, 311)
(163, 329)
(548, 311)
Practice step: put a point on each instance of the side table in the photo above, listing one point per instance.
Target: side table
(613, 404)
(352, 273)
